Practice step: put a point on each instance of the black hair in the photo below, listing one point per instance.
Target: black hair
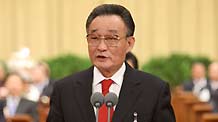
(130, 56)
(113, 9)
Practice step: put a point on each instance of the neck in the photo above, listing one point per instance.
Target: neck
(109, 72)
(41, 81)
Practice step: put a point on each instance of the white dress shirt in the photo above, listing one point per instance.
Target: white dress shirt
(115, 86)
(198, 85)
(200, 89)
(11, 105)
(214, 85)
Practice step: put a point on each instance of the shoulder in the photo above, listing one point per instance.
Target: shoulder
(148, 79)
(27, 102)
(2, 104)
(149, 83)
(188, 85)
(73, 78)
(188, 82)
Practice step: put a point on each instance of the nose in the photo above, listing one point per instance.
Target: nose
(102, 46)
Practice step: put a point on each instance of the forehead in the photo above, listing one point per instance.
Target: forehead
(13, 79)
(213, 66)
(198, 66)
(107, 23)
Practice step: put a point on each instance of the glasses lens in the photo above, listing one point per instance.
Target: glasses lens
(109, 40)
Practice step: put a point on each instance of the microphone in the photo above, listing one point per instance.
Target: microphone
(97, 100)
(110, 100)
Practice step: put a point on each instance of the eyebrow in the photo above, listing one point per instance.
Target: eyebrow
(112, 31)
(92, 31)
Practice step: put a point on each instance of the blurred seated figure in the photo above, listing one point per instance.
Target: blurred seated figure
(16, 104)
(3, 90)
(213, 87)
(132, 60)
(31, 92)
(2, 105)
(3, 94)
(2, 74)
(198, 84)
(40, 76)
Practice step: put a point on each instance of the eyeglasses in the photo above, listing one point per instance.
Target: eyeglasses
(109, 40)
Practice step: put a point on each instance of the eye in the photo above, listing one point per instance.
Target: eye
(94, 37)
(111, 38)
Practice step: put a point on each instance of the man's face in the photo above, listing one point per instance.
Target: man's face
(213, 72)
(2, 74)
(14, 85)
(103, 56)
(37, 74)
(198, 71)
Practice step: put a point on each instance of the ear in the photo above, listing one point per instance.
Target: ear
(130, 43)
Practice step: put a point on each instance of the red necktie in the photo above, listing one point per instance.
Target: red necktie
(103, 110)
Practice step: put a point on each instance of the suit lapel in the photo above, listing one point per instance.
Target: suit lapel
(83, 93)
(129, 92)
(21, 106)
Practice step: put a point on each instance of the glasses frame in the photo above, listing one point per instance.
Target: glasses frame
(107, 40)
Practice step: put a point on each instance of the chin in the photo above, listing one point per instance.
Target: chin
(103, 65)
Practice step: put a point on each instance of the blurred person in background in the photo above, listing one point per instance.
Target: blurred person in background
(16, 104)
(30, 91)
(40, 76)
(2, 74)
(2, 105)
(198, 79)
(213, 87)
(3, 93)
(132, 60)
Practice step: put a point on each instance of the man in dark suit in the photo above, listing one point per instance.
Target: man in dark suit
(27, 107)
(198, 81)
(15, 103)
(141, 96)
(213, 85)
(40, 75)
(199, 85)
(2, 105)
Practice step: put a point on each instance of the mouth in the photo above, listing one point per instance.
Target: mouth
(101, 57)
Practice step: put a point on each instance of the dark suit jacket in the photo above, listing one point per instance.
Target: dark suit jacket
(140, 92)
(189, 85)
(27, 107)
(2, 105)
(213, 97)
(47, 91)
(214, 100)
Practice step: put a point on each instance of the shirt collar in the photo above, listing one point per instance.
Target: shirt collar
(200, 81)
(15, 99)
(214, 85)
(117, 77)
(41, 86)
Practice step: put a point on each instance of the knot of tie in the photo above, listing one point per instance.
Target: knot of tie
(106, 85)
